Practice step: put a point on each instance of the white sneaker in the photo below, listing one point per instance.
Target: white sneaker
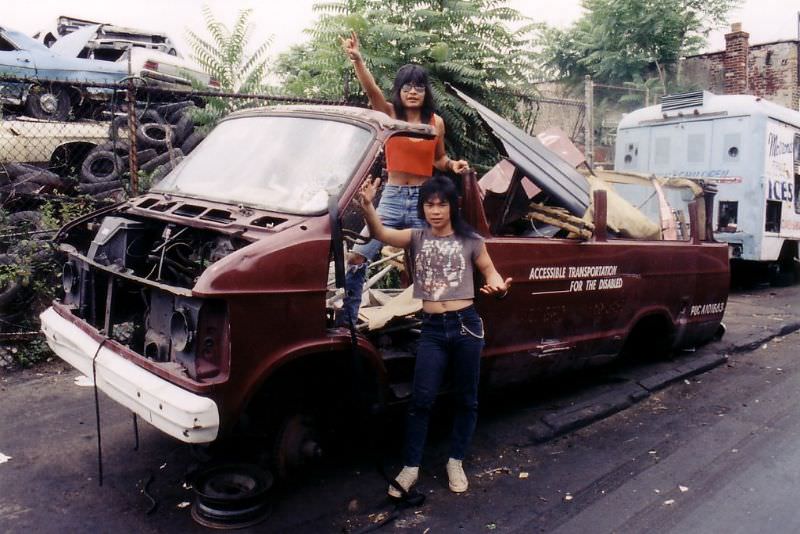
(455, 472)
(406, 478)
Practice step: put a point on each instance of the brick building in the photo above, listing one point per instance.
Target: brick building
(770, 70)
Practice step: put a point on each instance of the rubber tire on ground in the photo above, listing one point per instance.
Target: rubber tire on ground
(11, 288)
(41, 96)
(161, 159)
(14, 170)
(41, 177)
(143, 156)
(24, 188)
(120, 147)
(98, 187)
(32, 219)
(98, 157)
(168, 109)
(149, 116)
(183, 129)
(192, 141)
(158, 136)
(163, 169)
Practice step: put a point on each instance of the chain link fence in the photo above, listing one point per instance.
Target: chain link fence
(68, 148)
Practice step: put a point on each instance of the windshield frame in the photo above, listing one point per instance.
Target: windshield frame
(367, 155)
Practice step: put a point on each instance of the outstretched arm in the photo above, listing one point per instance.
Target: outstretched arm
(390, 236)
(495, 285)
(442, 162)
(374, 93)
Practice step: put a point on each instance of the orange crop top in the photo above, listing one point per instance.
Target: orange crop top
(411, 154)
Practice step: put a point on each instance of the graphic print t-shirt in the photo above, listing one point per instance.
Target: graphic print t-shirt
(443, 266)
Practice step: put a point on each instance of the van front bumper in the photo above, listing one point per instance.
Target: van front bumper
(182, 414)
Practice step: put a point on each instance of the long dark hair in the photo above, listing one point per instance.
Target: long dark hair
(441, 187)
(412, 74)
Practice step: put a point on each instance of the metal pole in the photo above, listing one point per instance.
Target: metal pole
(133, 163)
(588, 123)
(646, 96)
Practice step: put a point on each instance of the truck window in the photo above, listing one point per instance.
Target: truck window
(728, 213)
(773, 218)
(5, 46)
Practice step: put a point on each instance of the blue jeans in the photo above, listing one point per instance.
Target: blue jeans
(397, 209)
(448, 339)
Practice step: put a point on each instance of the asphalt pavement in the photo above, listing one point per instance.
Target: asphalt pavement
(700, 443)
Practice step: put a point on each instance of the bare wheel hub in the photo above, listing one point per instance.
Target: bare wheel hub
(48, 102)
(296, 445)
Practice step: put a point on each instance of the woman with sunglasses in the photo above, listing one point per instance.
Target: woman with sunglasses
(409, 161)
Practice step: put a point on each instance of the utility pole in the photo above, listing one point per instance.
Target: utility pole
(588, 123)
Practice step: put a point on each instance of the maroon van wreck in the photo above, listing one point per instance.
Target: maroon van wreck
(213, 295)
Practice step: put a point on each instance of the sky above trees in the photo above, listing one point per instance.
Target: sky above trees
(765, 20)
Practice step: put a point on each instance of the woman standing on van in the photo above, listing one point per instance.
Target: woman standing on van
(409, 161)
(444, 254)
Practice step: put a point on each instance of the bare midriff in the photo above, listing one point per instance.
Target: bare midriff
(405, 178)
(442, 306)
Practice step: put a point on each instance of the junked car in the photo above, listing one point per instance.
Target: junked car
(51, 143)
(52, 83)
(152, 56)
(213, 295)
(44, 83)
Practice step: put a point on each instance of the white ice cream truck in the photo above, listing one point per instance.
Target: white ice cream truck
(749, 146)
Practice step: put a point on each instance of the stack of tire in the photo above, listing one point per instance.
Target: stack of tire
(18, 179)
(164, 135)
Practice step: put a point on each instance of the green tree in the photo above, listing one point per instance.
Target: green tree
(618, 41)
(225, 57)
(469, 44)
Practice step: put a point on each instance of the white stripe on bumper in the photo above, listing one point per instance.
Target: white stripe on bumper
(181, 414)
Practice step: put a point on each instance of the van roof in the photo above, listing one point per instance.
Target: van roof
(719, 105)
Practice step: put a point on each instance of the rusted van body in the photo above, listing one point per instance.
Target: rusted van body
(213, 293)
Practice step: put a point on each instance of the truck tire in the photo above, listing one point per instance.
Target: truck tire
(161, 159)
(192, 141)
(153, 135)
(48, 102)
(101, 166)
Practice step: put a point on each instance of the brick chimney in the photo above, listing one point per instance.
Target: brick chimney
(737, 49)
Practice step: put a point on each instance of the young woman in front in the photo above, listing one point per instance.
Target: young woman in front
(409, 161)
(444, 254)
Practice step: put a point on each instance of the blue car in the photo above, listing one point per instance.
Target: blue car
(49, 90)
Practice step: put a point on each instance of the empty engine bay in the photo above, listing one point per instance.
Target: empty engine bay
(131, 279)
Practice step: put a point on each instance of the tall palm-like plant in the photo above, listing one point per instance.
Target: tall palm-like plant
(224, 56)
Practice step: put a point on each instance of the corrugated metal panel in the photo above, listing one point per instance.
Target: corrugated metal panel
(545, 168)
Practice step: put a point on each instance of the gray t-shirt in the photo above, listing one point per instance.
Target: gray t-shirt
(443, 266)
